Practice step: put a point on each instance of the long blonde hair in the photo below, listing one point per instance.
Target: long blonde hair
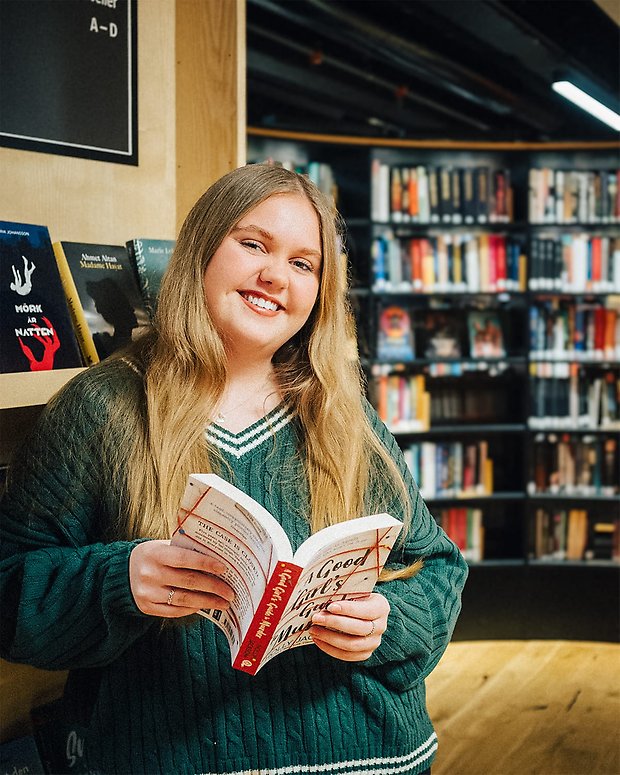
(184, 363)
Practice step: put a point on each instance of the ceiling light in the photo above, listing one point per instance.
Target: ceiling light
(588, 103)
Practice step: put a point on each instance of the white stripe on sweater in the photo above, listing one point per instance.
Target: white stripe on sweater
(391, 765)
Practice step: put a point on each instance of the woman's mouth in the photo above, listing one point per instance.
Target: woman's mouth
(260, 301)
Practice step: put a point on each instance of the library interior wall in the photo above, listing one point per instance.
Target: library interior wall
(191, 124)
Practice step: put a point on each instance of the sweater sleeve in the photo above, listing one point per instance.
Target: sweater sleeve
(64, 590)
(423, 609)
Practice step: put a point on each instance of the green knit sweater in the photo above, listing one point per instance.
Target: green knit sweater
(153, 699)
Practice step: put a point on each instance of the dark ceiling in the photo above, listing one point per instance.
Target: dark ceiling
(458, 69)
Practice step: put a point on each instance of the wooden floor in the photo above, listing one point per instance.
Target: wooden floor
(527, 708)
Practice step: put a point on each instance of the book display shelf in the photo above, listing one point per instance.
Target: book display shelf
(486, 282)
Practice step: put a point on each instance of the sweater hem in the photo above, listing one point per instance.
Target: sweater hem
(404, 764)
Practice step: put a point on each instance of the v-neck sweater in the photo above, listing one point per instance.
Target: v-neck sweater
(164, 699)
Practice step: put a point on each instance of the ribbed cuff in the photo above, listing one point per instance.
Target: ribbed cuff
(116, 592)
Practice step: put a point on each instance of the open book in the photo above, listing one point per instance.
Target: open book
(277, 592)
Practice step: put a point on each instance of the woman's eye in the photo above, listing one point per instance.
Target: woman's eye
(301, 264)
(252, 244)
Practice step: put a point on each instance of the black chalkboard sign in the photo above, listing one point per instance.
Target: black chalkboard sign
(68, 77)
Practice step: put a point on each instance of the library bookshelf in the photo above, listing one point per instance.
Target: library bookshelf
(514, 441)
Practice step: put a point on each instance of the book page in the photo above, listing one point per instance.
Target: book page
(347, 567)
(221, 525)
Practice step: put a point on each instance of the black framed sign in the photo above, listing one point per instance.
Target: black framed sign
(68, 78)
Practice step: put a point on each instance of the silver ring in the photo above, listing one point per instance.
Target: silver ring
(171, 594)
(372, 628)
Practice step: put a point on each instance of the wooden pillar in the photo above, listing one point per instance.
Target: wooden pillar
(210, 95)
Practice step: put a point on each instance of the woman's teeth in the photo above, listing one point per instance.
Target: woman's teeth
(260, 302)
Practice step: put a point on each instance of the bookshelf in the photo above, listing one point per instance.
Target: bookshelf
(447, 403)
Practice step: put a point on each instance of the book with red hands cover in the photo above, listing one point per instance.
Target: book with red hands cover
(277, 591)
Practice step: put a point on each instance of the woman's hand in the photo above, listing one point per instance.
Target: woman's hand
(171, 581)
(351, 629)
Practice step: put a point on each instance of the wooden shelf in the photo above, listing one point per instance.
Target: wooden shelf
(32, 388)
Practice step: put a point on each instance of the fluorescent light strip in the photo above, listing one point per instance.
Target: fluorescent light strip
(584, 101)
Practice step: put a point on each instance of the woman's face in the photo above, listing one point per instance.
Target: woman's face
(262, 282)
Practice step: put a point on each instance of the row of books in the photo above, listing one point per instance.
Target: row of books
(564, 330)
(565, 396)
(440, 194)
(574, 196)
(402, 401)
(465, 527)
(69, 304)
(451, 469)
(448, 263)
(574, 465)
(440, 334)
(573, 534)
(575, 263)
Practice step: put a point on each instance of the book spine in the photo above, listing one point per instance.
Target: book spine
(268, 613)
(82, 332)
(136, 254)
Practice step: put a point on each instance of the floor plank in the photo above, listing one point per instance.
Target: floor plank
(519, 707)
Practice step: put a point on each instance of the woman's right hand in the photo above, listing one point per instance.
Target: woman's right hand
(171, 581)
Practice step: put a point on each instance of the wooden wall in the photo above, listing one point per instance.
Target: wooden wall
(191, 124)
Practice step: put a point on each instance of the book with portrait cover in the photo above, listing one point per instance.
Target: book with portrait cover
(36, 332)
(103, 296)
(486, 339)
(150, 259)
(276, 591)
(395, 339)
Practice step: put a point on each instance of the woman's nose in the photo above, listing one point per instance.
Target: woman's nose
(274, 272)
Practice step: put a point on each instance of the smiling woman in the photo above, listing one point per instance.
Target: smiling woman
(263, 280)
(243, 374)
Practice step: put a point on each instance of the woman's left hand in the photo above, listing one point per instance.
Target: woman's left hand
(351, 629)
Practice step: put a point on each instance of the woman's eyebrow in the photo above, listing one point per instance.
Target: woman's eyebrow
(252, 227)
(267, 235)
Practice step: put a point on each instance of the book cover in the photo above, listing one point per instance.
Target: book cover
(103, 296)
(443, 335)
(395, 336)
(276, 591)
(486, 339)
(36, 332)
(150, 259)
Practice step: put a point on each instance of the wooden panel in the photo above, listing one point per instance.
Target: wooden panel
(210, 82)
(23, 688)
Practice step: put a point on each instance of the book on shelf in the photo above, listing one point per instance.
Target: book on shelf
(402, 401)
(442, 335)
(103, 295)
(573, 196)
(448, 262)
(395, 337)
(570, 396)
(36, 332)
(574, 534)
(451, 469)
(575, 263)
(486, 339)
(565, 464)
(446, 195)
(150, 258)
(277, 591)
(465, 526)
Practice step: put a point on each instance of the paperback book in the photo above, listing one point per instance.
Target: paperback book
(36, 332)
(103, 296)
(150, 259)
(276, 591)
(486, 339)
(395, 337)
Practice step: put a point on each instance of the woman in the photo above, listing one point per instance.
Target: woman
(243, 374)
